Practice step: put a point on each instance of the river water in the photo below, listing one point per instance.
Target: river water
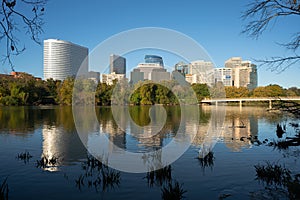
(236, 139)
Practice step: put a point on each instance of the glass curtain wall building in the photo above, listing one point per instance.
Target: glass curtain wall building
(154, 59)
(117, 64)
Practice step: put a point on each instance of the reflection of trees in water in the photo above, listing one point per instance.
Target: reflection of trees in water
(26, 119)
(18, 120)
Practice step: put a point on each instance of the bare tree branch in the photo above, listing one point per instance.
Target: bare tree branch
(12, 19)
(279, 64)
(263, 12)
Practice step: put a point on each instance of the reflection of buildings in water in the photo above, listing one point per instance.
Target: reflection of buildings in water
(115, 135)
(230, 131)
(148, 138)
(66, 146)
(239, 125)
(201, 134)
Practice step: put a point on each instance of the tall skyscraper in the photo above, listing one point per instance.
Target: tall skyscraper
(117, 64)
(63, 59)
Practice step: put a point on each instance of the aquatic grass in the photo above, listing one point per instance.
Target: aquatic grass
(173, 191)
(97, 175)
(80, 182)
(208, 160)
(273, 174)
(4, 190)
(159, 176)
(110, 178)
(47, 161)
(25, 156)
(280, 130)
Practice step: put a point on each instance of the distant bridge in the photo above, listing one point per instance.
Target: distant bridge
(241, 100)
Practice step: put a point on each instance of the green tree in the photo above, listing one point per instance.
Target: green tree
(201, 90)
(52, 88)
(66, 91)
(103, 94)
(148, 93)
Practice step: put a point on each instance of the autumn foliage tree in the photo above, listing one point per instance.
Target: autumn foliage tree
(236, 92)
(269, 91)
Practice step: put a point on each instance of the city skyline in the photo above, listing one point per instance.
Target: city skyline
(63, 59)
(218, 34)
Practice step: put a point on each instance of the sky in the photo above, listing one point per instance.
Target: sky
(215, 25)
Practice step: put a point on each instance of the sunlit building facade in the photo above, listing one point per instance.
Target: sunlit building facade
(109, 78)
(244, 73)
(63, 59)
(224, 75)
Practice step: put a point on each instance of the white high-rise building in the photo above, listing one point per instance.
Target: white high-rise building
(244, 73)
(224, 75)
(200, 71)
(63, 59)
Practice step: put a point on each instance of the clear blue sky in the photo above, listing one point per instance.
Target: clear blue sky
(216, 25)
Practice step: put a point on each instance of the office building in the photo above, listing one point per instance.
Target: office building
(224, 75)
(244, 73)
(152, 69)
(95, 76)
(63, 59)
(202, 71)
(154, 59)
(109, 78)
(117, 64)
(136, 75)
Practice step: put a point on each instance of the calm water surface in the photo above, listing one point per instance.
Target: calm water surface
(50, 132)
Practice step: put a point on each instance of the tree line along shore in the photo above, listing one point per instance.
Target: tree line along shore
(30, 91)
